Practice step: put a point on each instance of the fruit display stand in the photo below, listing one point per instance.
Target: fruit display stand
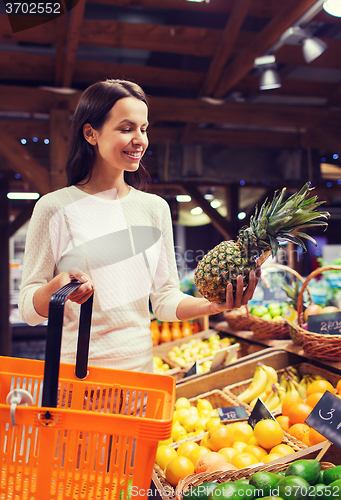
(287, 344)
(245, 348)
(213, 384)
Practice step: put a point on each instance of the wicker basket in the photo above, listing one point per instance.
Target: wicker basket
(224, 477)
(238, 319)
(323, 347)
(264, 329)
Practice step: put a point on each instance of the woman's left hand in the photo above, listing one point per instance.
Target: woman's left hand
(241, 296)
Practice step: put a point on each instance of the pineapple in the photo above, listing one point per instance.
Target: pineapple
(275, 221)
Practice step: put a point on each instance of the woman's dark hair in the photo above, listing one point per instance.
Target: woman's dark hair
(94, 107)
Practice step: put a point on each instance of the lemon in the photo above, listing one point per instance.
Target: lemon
(178, 432)
(190, 422)
(165, 441)
(178, 468)
(204, 441)
(201, 424)
(164, 454)
(212, 422)
(204, 404)
(239, 446)
(228, 453)
(182, 403)
(182, 414)
(196, 453)
(205, 413)
(157, 361)
(186, 448)
(193, 411)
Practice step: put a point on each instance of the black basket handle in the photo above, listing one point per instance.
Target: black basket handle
(54, 340)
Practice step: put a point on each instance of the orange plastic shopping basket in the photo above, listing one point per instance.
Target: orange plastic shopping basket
(78, 432)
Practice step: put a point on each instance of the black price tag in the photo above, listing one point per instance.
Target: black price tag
(259, 412)
(232, 413)
(274, 294)
(191, 371)
(325, 418)
(328, 324)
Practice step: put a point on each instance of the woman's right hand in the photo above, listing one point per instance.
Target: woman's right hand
(81, 294)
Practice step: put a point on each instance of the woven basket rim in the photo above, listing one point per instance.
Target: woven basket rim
(228, 476)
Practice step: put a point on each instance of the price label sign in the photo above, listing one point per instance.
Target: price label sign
(325, 418)
(259, 412)
(191, 371)
(229, 413)
(328, 324)
(274, 294)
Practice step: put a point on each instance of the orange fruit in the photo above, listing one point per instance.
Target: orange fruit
(208, 460)
(313, 399)
(320, 386)
(338, 387)
(284, 422)
(306, 439)
(268, 433)
(299, 430)
(226, 466)
(315, 437)
(219, 437)
(178, 468)
(288, 401)
(256, 451)
(282, 449)
(241, 431)
(196, 454)
(228, 453)
(164, 454)
(299, 412)
(241, 460)
(239, 445)
(185, 448)
(271, 457)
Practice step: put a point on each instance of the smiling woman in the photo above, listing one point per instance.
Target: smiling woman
(116, 239)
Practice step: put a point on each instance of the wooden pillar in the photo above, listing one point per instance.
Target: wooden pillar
(59, 145)
(5, 326)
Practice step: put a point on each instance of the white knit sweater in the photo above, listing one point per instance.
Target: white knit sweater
(127, 248)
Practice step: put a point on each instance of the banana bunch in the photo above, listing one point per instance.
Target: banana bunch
(263, 379)
(290, 372)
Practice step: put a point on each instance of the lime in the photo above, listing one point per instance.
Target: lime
(200, 492)
(265, 482)
(294, 488)
(307, 469)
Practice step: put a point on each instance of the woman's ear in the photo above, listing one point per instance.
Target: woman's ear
(89, 134)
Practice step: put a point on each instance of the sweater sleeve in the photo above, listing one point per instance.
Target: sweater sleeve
(167, 295)
(39, 261)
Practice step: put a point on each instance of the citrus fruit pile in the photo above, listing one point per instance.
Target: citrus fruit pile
(295, 411)
(224, 447)
(301, 480)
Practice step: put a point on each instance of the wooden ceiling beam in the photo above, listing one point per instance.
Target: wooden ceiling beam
(200, 42)
(22, 162)
(281, 118)
(244, 62)
(224, 47)
(286, 118)
(60, 49)
(72, 41)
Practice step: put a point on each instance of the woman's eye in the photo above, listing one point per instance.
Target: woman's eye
(125, 130)
(144, 131)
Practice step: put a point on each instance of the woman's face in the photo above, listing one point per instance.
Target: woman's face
(122, 141)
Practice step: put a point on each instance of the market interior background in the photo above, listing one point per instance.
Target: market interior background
(215, 135)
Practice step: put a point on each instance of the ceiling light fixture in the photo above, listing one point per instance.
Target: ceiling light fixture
(23, 196)
(333, 7)
(312, 47)
(183, 198)
(269, 76)
(199, 1)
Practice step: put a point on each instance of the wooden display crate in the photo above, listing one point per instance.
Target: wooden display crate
(245, 349)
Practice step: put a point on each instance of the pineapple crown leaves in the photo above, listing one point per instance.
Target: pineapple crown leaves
(281, 220)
